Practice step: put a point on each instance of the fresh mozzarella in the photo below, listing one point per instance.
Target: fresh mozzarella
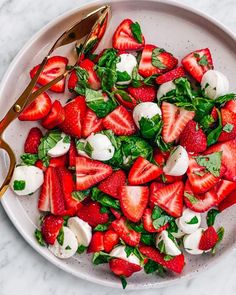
(81, 229)
(170, 246)
(26, 180)
(68, 247)
(189, 222)
(165, 88)
(177, 163)
(126, 64)
(191, 242)
(179, 234)
(119, 252)
(214, 84)
(101, 147)
(81, 143)
(61, 148)
(145, 110)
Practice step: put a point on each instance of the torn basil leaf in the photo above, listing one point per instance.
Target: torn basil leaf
(211, 216)
(136, 32)
(211, 162)
(29, 159)
(19, 185)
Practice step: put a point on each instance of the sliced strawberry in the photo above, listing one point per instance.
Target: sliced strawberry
(112, 184)
(133, 201)
(58, 161)
(200, 180)
(55, 117)
(229, 125)
(143, 93)
(32, 141)
(55, 67)
(111, 239)
(91, 124)
(121, 267)
(120, 122)
(40, 165)
(123, 38)
(209, 239)
(72, 81)
(228, 157)
(193, 138)
(73, 153)
(96, 244)
(176, 264)
(169, 197)
(90, 172)
(214, 114)
(51, 227)
(174, 121)
(229, 201)
(38, 109)
(231, 105)
(199, 202)
(130, 104)
(224, 188)
(116, 213)
(147, 222)
(74, 115)
(143, 171)
(155, 60)
(129, 236)
(197, 63)
(171, 75)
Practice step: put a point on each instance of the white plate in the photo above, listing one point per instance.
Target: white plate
(167, 24)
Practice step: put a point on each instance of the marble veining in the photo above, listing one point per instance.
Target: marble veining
(22, 270)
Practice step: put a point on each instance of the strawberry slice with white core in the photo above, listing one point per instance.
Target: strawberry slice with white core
(175, 120)
(197, 63)
(133, 201)
(55, 67)
(90, 172)
(91, 123)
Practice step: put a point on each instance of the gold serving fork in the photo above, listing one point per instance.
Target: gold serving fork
(92, 28)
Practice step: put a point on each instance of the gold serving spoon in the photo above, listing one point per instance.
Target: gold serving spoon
(92, 27)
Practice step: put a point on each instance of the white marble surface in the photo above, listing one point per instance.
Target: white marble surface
(22, 270)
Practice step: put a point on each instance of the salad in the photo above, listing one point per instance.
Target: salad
(129, 162)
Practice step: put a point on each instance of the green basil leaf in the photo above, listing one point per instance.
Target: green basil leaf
(123, 282)
(156, 213)
(228, 127)
(136, 32)
(194, 220)
(19, 185)
(123, 76)
(60, 237)
(151, 266)
(150, 127)
(161, 221)
(211, 162)
(161, 246)
(29, 159)
(219, 101)
(66, 139)
(211, 216)
(104, 199)
(80, 195)
(124, 95)
(192, 199)
(102, 227)
(156, 62)
(81, 249)
(220, 234)
(100, 258)
(148, 239)
(203, 61)
(129, 250)
(39, 237)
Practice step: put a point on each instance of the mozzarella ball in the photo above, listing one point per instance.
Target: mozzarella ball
(126, 64)
(214, 84)
(189, 222)
(61, 148)
(119, 252)
(165, 88)
(26, 180)
(81, 229)
(145, 110)
(177, 163)
(170, 247)
(191, 242)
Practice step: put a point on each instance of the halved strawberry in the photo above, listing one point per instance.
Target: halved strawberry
(74, 114)
(97, 243)
(111, 239)
(73, 153)
(32, 141)
(120, 122)
(143, 93)
(143, 171)
(147, 222)
(129, 236)
(58, 161)
(200, 180)
(176, 264)
(133, 201)
(130, 104)
(91, 213)
(123, 268)
(124, 39)
(228, 157)
(199, 202)
(112, 183)
(72, 81)
(90, 172)
(231, 105)
(209, 239)
(229, 125)
(169, 197)
(55, 67)
(50, 228)
(55, 117)
(197, 63)
(229, 201)
(38, 109)
(155, 60)
(91, 123)
(174, 121)
(171, 75)
(224, 188)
